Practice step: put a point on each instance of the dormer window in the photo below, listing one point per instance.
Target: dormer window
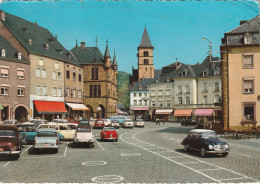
(60, 50)
(47, 46)
(30, 41)
(205, 72)
(140, 86)
(19, 55)
(184, 73)
(51, 40)
(26, 30)
(217, 71)
(3, 53)
(247, 38)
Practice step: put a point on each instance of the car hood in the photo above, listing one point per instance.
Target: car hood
(214, 141)
(6, 140)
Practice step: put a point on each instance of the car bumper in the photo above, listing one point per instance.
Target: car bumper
(110, 138)
(139, 125)
(217, 151)
(83, 141)
(45, 147)
(9, 152)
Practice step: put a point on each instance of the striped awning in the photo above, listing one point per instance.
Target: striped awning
(140, 108)
(182, 112)
(203, 112)
(163, 111)
(80, 107)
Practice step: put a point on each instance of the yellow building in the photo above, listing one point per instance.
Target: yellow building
(241, 90)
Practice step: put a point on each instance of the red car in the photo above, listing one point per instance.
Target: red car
(99, 123)
(10, 142)
(72, 121)
(109, 133)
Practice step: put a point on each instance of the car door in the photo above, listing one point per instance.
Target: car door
(66, 132)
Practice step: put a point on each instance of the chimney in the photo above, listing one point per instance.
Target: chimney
(2, 15)
(82, 44)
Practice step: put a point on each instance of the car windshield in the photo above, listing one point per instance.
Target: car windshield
(99, 122)
(115, 121)
(7, 133)
(27, 129)
(8, 122)
(109, 129)
(46, 134)
(128, 120)
(84, 122)
(84, 130)
(207, 135)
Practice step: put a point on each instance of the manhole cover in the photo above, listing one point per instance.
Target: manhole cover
(130, 154)
(94, 163)
(107, 179)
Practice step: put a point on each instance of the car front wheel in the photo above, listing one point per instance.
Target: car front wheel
(202, 152)
(185, 147)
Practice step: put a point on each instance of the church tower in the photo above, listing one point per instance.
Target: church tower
(145, 57)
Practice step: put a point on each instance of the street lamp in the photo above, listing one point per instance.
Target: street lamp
(210, 48)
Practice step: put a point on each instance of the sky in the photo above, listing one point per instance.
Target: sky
(176, 28)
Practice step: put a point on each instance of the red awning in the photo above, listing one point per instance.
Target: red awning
(140, 108)
(50, 107)
(203, 112)
(182, 112)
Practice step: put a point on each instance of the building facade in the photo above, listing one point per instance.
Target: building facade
(241, 92)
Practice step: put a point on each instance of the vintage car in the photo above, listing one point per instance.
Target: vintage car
(189, 122)
(120, 118)
(128, 123)
(10, 122)
(139, 123)
(46, 138)
(60, 121)
(72, 121)
(109, 133)
(115, 123)
(100, 123)
(107, 122)
(84, 122)
(92, 122)
(37, 122)
(206, 142)
(62, 128)
(28, 133)
(83, 134)
(10, 143)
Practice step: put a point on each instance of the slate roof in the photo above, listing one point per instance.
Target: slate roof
(11, 53)
(145, 42)
(24, 30)
(169, 68)
(88, 55)
(107, 54)
(114, 59)
(249, 26)
(157, 73)
(144, 83)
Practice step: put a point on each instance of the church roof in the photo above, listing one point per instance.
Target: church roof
(145, 42)
(107, 54)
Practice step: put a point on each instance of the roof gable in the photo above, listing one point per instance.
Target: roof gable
(145, 42)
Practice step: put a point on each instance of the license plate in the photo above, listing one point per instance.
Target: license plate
(1, 149)
(45, 144)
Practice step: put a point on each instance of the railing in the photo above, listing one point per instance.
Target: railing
(238, 134)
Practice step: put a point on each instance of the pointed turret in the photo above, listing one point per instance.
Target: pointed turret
(145, 42)
(114, 64)
(107, 57)
(107, 54)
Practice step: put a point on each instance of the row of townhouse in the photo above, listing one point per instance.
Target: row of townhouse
(41, 79)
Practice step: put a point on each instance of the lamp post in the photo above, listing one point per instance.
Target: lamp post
(248, 118)
(210, 48)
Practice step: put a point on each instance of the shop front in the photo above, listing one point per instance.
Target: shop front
(163, 114)
(140, 112)
(77, 111)
(205, 117)
(182, 114)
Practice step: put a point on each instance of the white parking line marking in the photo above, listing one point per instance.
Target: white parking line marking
(99, 144)
(65, 150)
(26, 150)
(94, 163)
(7, 163)
(191, 162)
(177, 156)
(85, 150)
(164, 151)
(233, 179)
(209, 169)
(45, 157)
(246, 155)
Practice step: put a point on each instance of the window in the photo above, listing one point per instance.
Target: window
(187, 89)
(67, 74)
(180, 100)
(20, 74)
(59, 75)
(179, 89)
(54, 91)
(249, 111)
(145, 94)
(205, 87)
(187, 99)
(140, 86)
(79, 77)
(134, 94)
(44, 90)
(99, 90)
(248, 86)
(140, 94)
(247, 38)
(168, 92)
(20, 91)
(146, 61)
(153, 93)
(216, 86)
(38, 72)
(94, 73)
(205, 99)
(79, 94)
(135, 102)
(160, 103)
(90, 91)
(74, 76)
(19, 56)
(43, 73)
(153, 103)
(56, 65)
(146, 54)
(74, 93)
(168, 103)
(41, 62)
(4, 90)
(216, 98)
(59, 92)
(248, 61)
(68, 92)
(160, 92)
(95, 90)
(140, 102)
(4, 72)
(145, 102)
(3, 52)
(38, 90)
(54, 77)
(184, 73)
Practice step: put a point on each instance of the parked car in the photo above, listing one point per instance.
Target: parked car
(107, 122)
(115, 123)
(10, 122)
(206, 142)
(109, 133)
(60, 121)
(100, 123)
(92, 122)
(189, 122)
(139, 123)
(62, 128)
(84, 122)
(128, 123)
(72, 121)
(10, 143)
(46, 138)
(120, 118)
(37, 122)
(83, 134)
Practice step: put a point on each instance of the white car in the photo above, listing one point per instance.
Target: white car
(128, 123)
(115, 123)
(107, 122)
(92, 122)
(84, 135)
(139, 123)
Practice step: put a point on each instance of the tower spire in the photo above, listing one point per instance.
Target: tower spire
(145, 42)
(96, 41)
(114, 59)
(107, 54)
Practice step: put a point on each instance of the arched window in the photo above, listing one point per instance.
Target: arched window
(146, 54)
(146, 61)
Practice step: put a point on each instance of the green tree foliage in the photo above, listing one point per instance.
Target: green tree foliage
(123, 89)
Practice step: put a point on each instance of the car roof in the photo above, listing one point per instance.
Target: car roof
(47, 130)
(10, 127)
(108, 128)
(202, 130)
(84, 126)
